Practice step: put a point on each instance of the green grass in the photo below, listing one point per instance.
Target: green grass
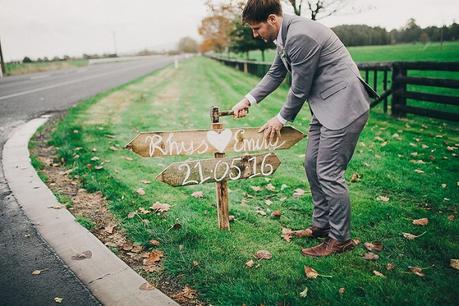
(401, 52)
(25, 68)
(180, 99)
(85, 222)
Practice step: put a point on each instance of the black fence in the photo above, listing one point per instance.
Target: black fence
(388, 78)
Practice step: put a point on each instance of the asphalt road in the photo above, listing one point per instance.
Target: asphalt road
(21, 248)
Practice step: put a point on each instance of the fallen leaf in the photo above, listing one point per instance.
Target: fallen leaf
(304, 293)
(417, 271)
(146, 286)
(140, 191)
(310, 272)
(127, 246)
(355, 177)
(382, 198)
(131, 214)
(143, 211)
(411, 236)
(186, 294)
(356, 242)
(298, 192)
(422, 221)
(256, 188)
(146, 182)
(56, 206)
(153, 257)
(113, 148)
(270, 187)
(373, 246)
(197, 194)
(137, 248)
(95, 158)
(231, 218)
(263, 254)
(390, 266)
(38, 272)
(341, 291)
(83, 255)
(127, 158)
(159, 207)
(370, 256)
(99, 167)
(154, 242)
(377, 273)
(58, 299)
(109, 228)
(454, 263)
(276, 214)
(418, 171)
(283, 186)
(250, 263)
(451, 217)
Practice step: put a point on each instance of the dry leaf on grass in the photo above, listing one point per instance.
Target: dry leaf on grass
(276, 214)
(146, 182)
(270, 187)
(268, 202)
(109, 228)
(298, 192)
(144, 211)
(356, 242)
(390, 266)
(263, 254)
(131, 214)
(146, 286)
(451, 217)
(256, 188)
(454, 263)
(377, 273)
(58, 299)
(140, 191)
(422, 221)
(370, 256)
(355, 177)
(418, 171)
(153, 258)
(341, 290)
(310, 272)
(373, 246)
(250, 263)
(231, 218)
(154, 242)
(417, 271)
(382, 198)
(287, 234)
(411, 236)
(197, 194)
(304, 293)
(186, 294)
(159, 207)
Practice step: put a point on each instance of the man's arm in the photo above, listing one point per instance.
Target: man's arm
(304, 53)
(273, 78)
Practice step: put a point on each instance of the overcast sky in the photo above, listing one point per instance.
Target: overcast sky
(39, 28)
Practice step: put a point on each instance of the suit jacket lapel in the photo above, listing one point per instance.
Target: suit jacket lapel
(287, 19)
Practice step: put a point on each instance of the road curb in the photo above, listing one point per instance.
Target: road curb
(111, 280)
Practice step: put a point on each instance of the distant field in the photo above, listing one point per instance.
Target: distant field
(402, 52)
(25, 68)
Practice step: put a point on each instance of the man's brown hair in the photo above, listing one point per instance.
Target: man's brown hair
(259, 10)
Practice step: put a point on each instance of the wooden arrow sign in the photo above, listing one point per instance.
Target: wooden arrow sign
(210, 141)
(216, 170)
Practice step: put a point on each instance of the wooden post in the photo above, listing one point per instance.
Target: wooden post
(220, 187)
(246, 70)
(398, 88)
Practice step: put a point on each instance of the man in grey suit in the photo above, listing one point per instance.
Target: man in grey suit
(324, 74)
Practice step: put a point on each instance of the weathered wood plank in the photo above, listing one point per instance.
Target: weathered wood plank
(208, 141)
(220, 169)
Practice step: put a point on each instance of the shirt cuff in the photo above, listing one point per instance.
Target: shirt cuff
(251, 99)
(281, 119)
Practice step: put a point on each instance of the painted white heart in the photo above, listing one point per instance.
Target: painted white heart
(219, 141)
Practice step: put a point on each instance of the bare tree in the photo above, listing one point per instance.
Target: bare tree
(318, 9)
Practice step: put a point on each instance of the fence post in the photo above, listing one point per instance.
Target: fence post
(384, 90)
(398, 88)
(246, 70)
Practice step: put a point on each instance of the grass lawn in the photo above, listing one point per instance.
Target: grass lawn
(26, 68)
(407, 169)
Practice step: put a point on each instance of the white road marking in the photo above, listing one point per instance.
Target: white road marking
(40, 77)
(67, 83)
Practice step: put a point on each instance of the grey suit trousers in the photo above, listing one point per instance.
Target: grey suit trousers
(327, 156)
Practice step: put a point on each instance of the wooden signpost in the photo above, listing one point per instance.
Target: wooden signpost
(220, 170)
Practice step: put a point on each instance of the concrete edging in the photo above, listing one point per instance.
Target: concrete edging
(111, 280)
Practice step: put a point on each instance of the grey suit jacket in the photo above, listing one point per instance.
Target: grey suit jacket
(322, 73)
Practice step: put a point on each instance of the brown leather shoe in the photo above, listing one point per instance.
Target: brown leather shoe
(313, 232)
(329, 247)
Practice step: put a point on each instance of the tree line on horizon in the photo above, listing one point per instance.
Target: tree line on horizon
(223, 31)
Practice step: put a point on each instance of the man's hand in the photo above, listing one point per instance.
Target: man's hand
(271, 129)
(241, 109)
